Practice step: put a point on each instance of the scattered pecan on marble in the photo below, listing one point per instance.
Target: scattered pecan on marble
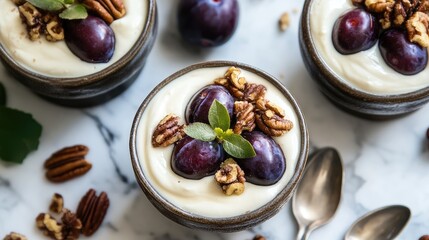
(259, 237)
(108, 10)
(67, 164)
(424, 237)
(49, 226)
(91, 211)
(57, 203)
(244, 112)
(271, 119)
(168, 131)
(233, 82)
(284, 21)
(14, 236)
(230, 177)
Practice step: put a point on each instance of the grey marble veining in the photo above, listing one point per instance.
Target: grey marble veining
(385, 162)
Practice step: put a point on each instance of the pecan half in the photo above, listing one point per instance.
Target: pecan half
(49, 226)
(168, 131)
(57, 203)
(14, 236)
(92, 210)
(108, 10)
(230, 177)
(245, 115)
(417, 27)
(253, 92)
(67, 164)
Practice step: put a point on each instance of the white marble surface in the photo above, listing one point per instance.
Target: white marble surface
(386, 162)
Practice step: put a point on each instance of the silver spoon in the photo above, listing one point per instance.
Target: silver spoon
(384, 223)
(318, 195)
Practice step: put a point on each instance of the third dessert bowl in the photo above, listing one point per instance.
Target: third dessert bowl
(366, 58)
(190, 146)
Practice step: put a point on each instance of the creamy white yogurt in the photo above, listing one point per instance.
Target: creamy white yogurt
(365, 70)
(55, 59)
(204, 197)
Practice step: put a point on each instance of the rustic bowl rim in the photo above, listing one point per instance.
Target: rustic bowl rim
(335, 80)
(93, 77)
(235, 223)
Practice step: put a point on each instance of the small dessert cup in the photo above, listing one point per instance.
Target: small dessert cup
(201, 203)
(59, 76)
(362, 83)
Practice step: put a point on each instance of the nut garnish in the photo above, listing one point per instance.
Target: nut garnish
(244, 111)
(57, 203)
(67, 164)
(54, 30)
(168, 131)
(417, 27)
(14, 236)
(253, 92)
(284, 21)
(270, 119)
(108, 10)
(92, 210)
(231, 81)
(33, 20)
(71, 225)
(230, 177)
(410, 14)
(49, 226)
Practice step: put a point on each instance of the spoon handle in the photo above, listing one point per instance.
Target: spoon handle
(303, 233)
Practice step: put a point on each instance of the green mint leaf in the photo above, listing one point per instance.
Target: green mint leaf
(200, 131)
(218, 116)
(238, 147)
(76, 11)
(68, 1)
(19, 134)
(48, 5)
(2, 95)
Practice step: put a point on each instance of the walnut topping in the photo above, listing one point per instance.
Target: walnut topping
(168, 131)
(230, 177)
(253, 92)
(417, 27)
(244, 111)
(379, 6)
(14, 236)
(284, 21)
(57, 203)
(270, 119)
(231, 81)
(33, 20)
(108, 10)
(54, 30)
(49, 226)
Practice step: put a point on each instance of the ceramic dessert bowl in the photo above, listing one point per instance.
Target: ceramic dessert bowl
(70, 81)
(201, 203)
(362, 83)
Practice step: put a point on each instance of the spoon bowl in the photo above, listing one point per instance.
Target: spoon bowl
(318, 195)
(384, 223)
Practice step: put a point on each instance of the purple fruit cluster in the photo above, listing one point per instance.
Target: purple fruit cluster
(357, 30)
(195, 159)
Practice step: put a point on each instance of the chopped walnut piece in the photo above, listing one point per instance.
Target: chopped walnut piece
(57, 203)
(230, 177)
(49, 226)
(15, 236)
(168, 131)
(244, 112)
(417, 27)
(33, 20)
(270, 118)
(71, 225)
(253, 92)
(284, 21)
(53, 30)
(379, 6)
(231, 81)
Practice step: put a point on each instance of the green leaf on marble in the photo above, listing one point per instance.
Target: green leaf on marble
(19, 135)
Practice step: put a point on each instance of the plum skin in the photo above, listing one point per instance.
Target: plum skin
(198, 108)
(355, 31)
(90, 39)
(195, 159)
(207, 23)
(269, 164)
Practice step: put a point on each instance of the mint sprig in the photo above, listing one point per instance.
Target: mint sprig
(68, 9)
(219, 128)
